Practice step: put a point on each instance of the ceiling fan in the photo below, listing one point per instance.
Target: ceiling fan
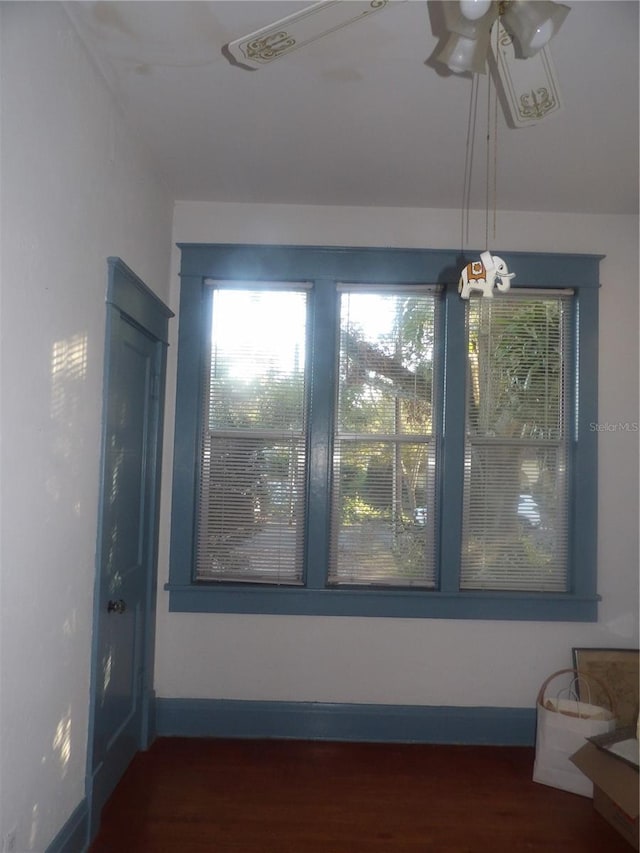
(518, 54)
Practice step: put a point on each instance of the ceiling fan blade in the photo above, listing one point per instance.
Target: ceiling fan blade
(530, 86)
(288, 34)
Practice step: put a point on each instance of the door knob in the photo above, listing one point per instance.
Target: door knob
(118, 606)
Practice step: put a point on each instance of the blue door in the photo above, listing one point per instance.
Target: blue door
(127, 534)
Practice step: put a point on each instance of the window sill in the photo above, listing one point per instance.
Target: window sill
(543, 607)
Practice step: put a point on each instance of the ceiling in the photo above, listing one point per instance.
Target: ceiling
(361, 116)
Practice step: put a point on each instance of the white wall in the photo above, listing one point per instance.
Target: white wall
(75, 189)
(432, 662)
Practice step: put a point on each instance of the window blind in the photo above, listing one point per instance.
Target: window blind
(253, 465)
(515, 524)
(383, 497)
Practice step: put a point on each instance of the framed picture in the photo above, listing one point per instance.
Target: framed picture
(617, 669)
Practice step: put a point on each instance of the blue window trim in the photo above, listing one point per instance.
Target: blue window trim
(241, 262)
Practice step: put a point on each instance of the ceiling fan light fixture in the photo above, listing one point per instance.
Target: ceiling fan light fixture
(457, 22)
(534, 24)
(473, 10)
(462, 55)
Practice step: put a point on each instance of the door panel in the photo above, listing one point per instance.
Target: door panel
(126, 553)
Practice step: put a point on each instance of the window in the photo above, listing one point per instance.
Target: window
(516, 500)
(383, 440)
(353, 438)
(252, 446)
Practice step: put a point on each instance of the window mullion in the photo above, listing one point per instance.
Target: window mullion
(452, 441)
(321, 413)
(195, 318)
(584, 446)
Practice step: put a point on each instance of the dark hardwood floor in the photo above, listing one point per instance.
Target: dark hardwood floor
(223, 796)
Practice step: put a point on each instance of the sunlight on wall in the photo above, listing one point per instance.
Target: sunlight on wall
(68, 367)
(62, 742)
(33, 832)
(69, 358)
(70, 625)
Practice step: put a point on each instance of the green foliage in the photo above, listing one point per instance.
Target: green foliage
(516, 361)
(355, 510)
(516, 369)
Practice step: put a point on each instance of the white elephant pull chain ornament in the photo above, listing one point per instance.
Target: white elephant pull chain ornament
(483, 275)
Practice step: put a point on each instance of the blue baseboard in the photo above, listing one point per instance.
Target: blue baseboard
(227, 718)
(72, 838)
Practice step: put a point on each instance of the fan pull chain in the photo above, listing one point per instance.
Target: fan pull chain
(495, 144)
(487, 166)
(488, 193)
(468, 163)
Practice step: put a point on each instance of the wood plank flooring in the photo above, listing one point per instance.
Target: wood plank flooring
(234, 796)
